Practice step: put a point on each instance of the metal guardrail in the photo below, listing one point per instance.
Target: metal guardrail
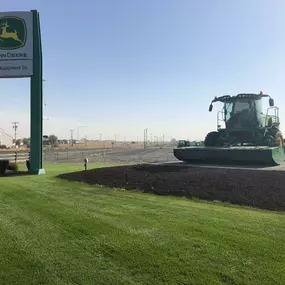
(16, 157)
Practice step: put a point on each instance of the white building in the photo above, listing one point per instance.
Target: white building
(5, 139)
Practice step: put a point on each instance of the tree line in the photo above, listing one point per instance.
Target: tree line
(47, 140)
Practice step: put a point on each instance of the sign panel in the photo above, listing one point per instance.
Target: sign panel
(16, 44)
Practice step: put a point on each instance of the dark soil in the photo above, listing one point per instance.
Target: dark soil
(256, 188)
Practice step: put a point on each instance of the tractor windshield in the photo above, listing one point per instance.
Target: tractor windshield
(240, 113)
(240, 106)
(236, 107)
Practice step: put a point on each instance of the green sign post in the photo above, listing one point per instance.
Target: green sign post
(21, 56)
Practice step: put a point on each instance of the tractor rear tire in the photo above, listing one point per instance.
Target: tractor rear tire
(211, 139)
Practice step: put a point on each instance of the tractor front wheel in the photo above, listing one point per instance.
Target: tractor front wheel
(212, 139)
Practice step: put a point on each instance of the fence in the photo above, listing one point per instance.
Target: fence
(97, 156)
(17, 157)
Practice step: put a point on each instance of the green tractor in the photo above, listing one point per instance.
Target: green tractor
(248, 135)
(183, 143)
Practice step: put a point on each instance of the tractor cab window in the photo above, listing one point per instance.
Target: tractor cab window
(260, 113)
(233, 108)
(241, 114)
(228, 110)
(241, 105)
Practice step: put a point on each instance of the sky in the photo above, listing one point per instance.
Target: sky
(123, 66)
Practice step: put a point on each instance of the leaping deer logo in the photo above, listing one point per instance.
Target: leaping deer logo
(8, 35)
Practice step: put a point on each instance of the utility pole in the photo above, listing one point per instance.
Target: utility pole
(71, 136)
(15, 127)
(145, 138)
(78, 138)
(100, 137)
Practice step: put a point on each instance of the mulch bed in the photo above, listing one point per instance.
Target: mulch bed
(256, 188)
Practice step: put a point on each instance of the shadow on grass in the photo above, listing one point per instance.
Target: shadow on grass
(10, 173)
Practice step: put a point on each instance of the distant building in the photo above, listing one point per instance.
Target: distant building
(46, 140)
(63, 142)
(5, 139)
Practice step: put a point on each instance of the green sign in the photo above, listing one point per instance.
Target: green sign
(13, 33)
(21, 56)
(16, 44)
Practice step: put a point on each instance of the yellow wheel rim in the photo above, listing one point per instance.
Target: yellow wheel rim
(279, 142)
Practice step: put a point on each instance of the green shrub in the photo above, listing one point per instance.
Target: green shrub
(13, 166)
(3, 166)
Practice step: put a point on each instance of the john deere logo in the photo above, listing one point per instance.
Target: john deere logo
(13, 32)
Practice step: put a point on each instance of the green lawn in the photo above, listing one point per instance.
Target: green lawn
(59, 232)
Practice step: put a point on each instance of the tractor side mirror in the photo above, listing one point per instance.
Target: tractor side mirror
(211, 108)
(271, 102)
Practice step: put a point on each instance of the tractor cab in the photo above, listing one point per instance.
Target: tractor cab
(240, 113)
(244, 111)
(243, 122)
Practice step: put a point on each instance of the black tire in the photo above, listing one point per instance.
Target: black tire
(275, 138)
(212, 139)
(269, 141)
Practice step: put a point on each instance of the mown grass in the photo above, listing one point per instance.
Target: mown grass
(58, 232)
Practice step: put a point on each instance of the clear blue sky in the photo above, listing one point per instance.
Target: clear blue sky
(122, 66)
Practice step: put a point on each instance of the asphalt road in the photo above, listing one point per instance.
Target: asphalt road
(113, 156)
(127, 155)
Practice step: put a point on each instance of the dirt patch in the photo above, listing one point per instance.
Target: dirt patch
(256, 188)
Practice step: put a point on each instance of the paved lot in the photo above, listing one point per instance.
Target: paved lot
(118, 155)
(126, 155)
(112, 156)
